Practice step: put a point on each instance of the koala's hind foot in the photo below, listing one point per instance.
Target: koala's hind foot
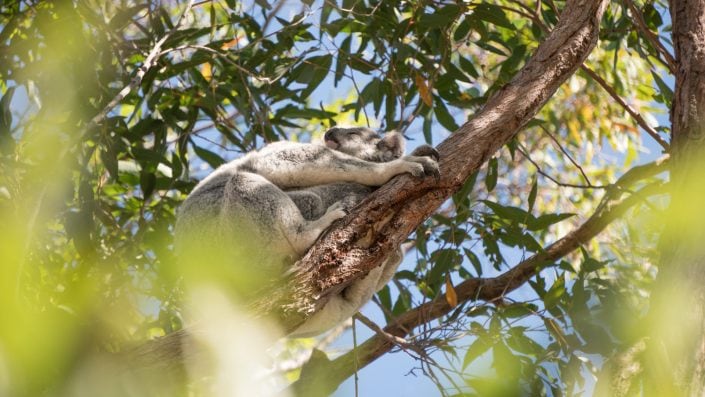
(335, 212)
(308, 231)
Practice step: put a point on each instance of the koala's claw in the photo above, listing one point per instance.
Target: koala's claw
(431, 169)
(426, 151)
(338, 205)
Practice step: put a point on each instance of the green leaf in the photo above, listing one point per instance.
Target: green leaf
(546, 220)
(319, 67)
(480, 346)
(406, 275)
(518, 341)
(468, 67)
(664, 89)
(442, 18)
(385, 298)
(109, 158)
(373, 93)
(209, 157)
(474, 260)
(517, 310)
(464, 191)
(532, 194)
(555, 293)
(652, 17)
(359, 63)
(147, 183)
(443, 116)
(492, 14)
(294, 112)
(462, 30)
(7, 143)
(444, 260)
(515, 214)
(491, 177)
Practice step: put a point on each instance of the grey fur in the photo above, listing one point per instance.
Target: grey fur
(258, 214)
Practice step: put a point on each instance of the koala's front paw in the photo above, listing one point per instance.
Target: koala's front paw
(415, 168)
(426, 151)
(424, 166)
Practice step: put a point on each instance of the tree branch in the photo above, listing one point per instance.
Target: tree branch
(611, 207)
(651, 36)
(360, 241)
(633, 112)
(135, 82)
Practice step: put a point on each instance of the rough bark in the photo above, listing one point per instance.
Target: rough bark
(675, 358)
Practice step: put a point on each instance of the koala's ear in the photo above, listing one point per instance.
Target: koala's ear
(394, 142)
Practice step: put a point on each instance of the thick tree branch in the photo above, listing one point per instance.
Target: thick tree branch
(612, 206)
(359, 242)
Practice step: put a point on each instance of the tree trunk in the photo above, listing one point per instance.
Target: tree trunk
(675, 358)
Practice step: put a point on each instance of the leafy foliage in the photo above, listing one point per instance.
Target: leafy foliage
(111, 111)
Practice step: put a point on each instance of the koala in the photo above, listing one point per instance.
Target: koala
(258, 214)
(312, 203)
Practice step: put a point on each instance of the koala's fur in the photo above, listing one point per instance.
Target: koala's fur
(260, 213)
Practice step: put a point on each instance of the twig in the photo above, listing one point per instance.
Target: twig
(554, 180)
(637, 117)
(135, 82)
(651, 36)
(633, 112)
(565, 152)
(379, 331)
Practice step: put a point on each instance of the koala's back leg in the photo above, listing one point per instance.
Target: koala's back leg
(309, 203)
(270, 208)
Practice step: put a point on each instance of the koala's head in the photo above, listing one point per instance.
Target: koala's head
(365, 143)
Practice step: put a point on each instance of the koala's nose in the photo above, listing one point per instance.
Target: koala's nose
(329, 135)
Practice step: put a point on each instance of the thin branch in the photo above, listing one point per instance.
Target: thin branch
(565, 152)
(651, 36)
(556, 181)
(401, 342)
(635, 114)
(135, 82)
